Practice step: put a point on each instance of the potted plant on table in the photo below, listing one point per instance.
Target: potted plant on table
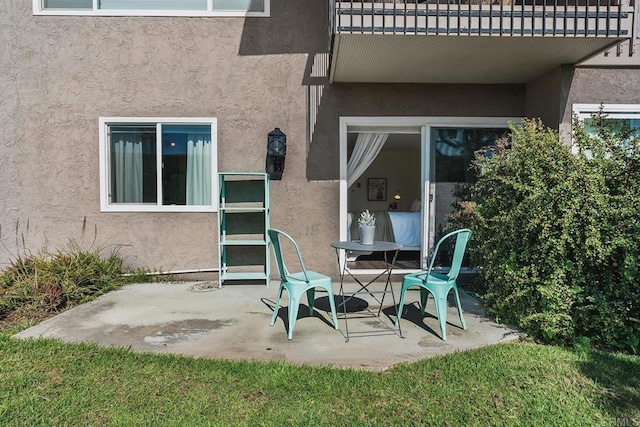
(367, 227)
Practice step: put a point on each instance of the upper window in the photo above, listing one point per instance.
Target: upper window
(152, 7)
(621, 116)
(159, 165)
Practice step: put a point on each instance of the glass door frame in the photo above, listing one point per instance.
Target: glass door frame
(422, 125)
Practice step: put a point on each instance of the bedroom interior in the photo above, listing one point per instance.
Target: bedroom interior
(390, 188)
(385, 177)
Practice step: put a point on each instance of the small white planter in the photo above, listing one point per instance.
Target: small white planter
(366, 235)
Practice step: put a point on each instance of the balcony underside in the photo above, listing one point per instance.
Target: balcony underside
(470, 41)
(476, 59)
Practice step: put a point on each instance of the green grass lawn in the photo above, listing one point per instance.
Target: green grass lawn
(46, 382)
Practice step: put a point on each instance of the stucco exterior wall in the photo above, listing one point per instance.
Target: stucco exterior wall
(58, 75)
(551, 96)
(10, 135)
(583, 85)
(349, 99)
(543, 98)
(600, 85)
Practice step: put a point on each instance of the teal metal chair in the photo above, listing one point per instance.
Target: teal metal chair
(297, 284)
(439, 285)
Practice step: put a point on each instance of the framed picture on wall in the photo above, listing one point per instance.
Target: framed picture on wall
(377, 189)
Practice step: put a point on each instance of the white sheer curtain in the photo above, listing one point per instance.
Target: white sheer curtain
(367, 148)
(127, 162)
(199, 169)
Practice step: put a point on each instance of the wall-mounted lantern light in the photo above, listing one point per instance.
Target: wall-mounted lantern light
(276, 152)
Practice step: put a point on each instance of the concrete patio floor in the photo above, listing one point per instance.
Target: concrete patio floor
(201, 320)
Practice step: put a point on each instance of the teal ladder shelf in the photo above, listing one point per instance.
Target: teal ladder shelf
(243, 221)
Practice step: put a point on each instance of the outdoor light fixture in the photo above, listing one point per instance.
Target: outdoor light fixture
(276, 152)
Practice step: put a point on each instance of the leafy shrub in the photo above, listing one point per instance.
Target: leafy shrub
(36, 286)
(557, 233)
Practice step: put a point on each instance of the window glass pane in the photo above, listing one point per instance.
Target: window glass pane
(244, 5)
(187, 168)
(153, 4)
(617, 124)
(68, 4)
(589, 126)
(133, 164)
(455, 148)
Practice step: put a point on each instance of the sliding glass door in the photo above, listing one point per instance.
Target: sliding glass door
(423, 164)
(448, 158)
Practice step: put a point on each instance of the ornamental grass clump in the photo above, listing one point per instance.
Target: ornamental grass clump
(35, 287)
(557, 232)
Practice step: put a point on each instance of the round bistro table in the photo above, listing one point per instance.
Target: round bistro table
(388, 248)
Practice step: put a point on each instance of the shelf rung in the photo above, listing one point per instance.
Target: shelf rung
(242, 209)
(244, 276)
(243, 242)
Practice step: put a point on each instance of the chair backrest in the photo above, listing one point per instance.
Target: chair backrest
(274, 236)
(462, 237)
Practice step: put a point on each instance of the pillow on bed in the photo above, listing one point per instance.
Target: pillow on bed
(415, 206)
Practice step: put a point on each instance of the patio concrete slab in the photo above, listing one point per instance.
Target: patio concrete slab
(201, 320)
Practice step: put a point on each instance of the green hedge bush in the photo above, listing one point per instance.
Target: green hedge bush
(557, 232)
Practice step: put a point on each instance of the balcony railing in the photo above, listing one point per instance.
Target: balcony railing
(571, 18)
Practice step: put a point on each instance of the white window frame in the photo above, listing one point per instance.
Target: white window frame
(613, 111)
(107, 206)
(38, 9)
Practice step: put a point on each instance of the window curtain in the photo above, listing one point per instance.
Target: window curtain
(199, 178)
(367, 148)
(127, 162)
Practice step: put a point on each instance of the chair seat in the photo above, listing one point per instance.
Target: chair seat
(314, 278)
(433, 278)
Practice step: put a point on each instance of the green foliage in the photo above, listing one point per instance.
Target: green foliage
(633, 336)
(557, 233)
(47, 382)
(36, 286)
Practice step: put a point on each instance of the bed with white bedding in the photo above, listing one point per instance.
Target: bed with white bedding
(405, 226)
(406, 229)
